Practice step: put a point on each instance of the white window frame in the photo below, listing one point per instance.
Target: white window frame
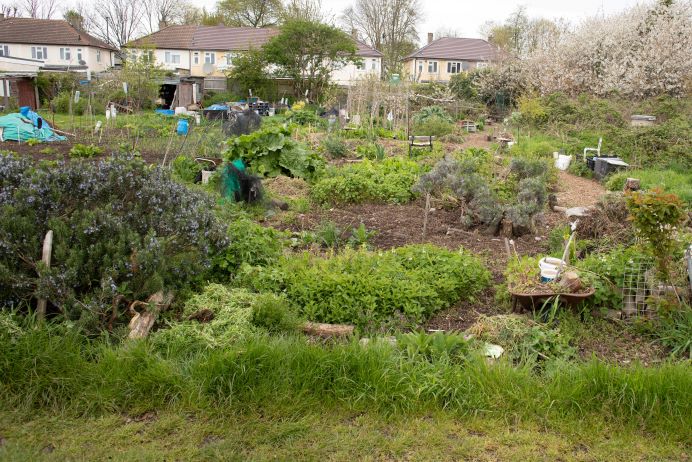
(373, 64)
(195, 57)
(420, 67)
(80, 57)
(454, 67)
(171, 58)
(433, 67)
(229, 59)
(65, 54)
(4, 50)
(40, 53)
(98, 56)
(209, 57)
(481, 65)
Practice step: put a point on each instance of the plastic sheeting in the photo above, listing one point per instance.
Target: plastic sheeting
(25, 125)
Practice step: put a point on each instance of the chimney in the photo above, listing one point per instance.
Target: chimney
(162, 24)
(430, 38)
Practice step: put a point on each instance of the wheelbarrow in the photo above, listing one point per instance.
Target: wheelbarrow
(523, 301)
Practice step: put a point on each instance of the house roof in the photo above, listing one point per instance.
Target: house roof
(221, 38)
(366, 51)
(456, 48)
(46, 32)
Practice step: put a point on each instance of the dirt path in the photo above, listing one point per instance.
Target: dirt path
(575, 191)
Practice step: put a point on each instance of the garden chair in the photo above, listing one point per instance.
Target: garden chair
(420, 142)
(596, 150)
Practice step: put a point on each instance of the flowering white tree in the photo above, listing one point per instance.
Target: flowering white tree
(641, 52)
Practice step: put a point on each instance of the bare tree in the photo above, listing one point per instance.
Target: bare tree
(387, 25)
(443, 32)
(39, 9)
(304, 10)
(250, 13)
(161, 13)
(10, 11)
(117, 21)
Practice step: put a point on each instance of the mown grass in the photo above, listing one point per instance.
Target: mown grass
(329, 434)
(58, 371)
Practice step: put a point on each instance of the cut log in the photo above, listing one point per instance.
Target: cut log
(632, 184)
(142, 322)
(328, 330)
(507, 228)
(571, 281)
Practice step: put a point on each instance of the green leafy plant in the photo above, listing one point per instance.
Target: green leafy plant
(271, 152)
(371, 289)
(81, 151)
(360, 237)
(438, 346)
(33, 141)
(387, 181)
(250, 243)
(186, 168)
(432, 112)
(335, 146)
(655, 215)
(328, 234)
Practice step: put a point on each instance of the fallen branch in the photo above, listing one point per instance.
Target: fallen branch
(142, 322)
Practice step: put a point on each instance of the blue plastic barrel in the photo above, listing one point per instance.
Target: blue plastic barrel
(182, 127)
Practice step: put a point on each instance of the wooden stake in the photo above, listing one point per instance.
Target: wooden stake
(47, 252)
(425, 216)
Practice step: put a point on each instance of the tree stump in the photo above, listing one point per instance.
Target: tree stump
(142, 322)
(632, 184)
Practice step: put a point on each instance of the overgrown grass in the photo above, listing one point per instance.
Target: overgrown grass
(675, 181)
(57, 370)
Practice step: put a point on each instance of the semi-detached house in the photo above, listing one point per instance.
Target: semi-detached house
(440, 59)
(202, 55)
(29, 45)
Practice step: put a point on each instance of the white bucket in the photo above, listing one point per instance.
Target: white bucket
(180, 110)
(551, 263)
(548, 275)
(562, 162)
(206, 174)
(272, 111)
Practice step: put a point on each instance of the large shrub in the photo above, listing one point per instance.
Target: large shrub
(387, 181)
(368, 288)
(121, 229)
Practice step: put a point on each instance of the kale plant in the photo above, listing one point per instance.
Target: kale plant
(122, 231)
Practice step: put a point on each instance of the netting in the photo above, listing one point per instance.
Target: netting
(238, 185)
(242, 123)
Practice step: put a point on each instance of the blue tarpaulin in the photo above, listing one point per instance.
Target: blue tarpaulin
(25, 125)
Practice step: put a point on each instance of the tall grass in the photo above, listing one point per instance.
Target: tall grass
(54, 370)
(675, 181)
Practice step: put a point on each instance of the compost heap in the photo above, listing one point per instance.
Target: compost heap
(26, 125)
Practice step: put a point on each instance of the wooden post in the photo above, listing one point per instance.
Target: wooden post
(47, 252)
(425, 216)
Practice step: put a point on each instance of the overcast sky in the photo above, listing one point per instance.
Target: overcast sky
(467, 16)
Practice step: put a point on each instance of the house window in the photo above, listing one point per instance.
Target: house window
(172, 58)
(195, 57)
(210, 57)
(4, 50)
(79, 54)
(481, 65)
(360, 65)
(432, 67)
(65, 54)
(373, 64)
(229, 59)
(39, 53)
(454, 67)
(420, 68)
(98, 56)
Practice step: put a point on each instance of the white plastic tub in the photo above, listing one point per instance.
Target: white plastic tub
(551, 263)
(562, 162)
